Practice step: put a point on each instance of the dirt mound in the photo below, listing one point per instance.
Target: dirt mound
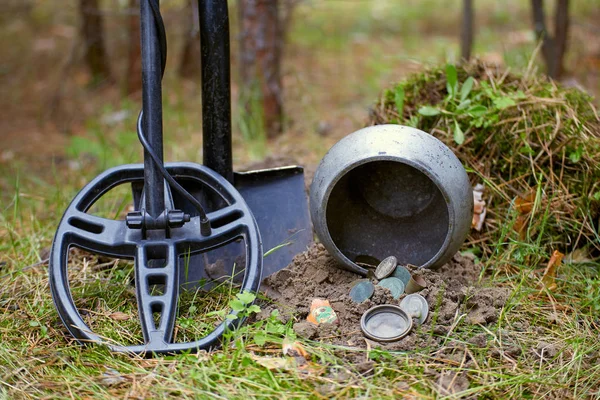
(451, 291)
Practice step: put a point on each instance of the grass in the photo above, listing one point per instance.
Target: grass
(544, 344)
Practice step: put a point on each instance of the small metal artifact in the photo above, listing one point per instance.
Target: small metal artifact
(362, 291)
(416, 306)
(415, 284)
(386, 267)
(402, 273)
(321, 312)
(385, 323)
(394, 285)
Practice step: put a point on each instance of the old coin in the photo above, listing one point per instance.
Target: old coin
(416, 306)
(386, 267)
(362, 291)
(394, 285)
(402, 273)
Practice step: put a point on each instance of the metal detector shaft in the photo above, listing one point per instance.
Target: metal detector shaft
(154, 185)
(216, 91)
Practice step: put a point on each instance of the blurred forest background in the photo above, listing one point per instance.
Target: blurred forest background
(70, 74)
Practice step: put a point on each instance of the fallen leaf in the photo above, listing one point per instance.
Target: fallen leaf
(520, 225)
(294, 349)
(119, 316)
(524, 205)
(272, 363)
(479, 209)
(549, 277)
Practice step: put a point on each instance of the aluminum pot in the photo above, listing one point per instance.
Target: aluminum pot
(391, 190)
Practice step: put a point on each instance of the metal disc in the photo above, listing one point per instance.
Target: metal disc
(362, 291)
(402, 273)
(386, 267)
(416, 306)
(394, 285)
(385, 323)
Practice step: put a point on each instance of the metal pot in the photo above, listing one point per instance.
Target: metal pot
(391, 190)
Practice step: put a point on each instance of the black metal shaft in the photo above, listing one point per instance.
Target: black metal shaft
(216, 90)
(152, 107)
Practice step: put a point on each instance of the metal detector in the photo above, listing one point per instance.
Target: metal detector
(181, 209)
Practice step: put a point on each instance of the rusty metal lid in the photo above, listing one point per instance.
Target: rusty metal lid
(385, 323)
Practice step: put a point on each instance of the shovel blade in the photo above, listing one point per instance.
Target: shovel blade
(278, 200)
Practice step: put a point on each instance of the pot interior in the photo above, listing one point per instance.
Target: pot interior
(385, 208)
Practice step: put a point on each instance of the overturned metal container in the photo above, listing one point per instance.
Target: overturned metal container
(391, 190)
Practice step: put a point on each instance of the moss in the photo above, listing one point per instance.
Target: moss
(518, 134)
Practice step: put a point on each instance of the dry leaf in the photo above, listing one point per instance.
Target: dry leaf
(272, 363)
(294, 349)
(520, 225)
(479, 210)
(524, 205)
(549, 278)
(119, 316)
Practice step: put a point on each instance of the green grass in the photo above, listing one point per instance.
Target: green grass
(341, 54)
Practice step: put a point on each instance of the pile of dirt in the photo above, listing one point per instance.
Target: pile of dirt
(451, 291)
(530, 139)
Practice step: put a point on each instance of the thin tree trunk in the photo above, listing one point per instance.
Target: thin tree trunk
(541, 33)
(261, 46)
(133, 80)
(189, 66)
(466, 34)
(561, 26)
(92, 30)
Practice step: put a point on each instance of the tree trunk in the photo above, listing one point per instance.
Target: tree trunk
(92, 30)
(189, 66)
(261, 46)
(133, 80)
(561, 26)
(466, 34)
(541, 33)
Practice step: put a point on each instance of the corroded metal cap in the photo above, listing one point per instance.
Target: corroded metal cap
(385, 323)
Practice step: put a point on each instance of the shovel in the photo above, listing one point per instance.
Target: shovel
(277, 197)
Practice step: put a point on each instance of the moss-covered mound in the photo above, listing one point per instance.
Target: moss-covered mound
(534, 144)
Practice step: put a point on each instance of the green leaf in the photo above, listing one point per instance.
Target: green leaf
(464, 104)
(231, 317)
(576, 155)
(399, 100)
(466, 88)
(451, 79)
(237, 305)
(429, 111)
(192, 309)
(596, 196)
(459, 136)
(477, 111)
(254, 309)
(246, 297)
(503, 102)
(260, 338)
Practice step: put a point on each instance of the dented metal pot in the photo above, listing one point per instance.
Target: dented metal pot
(391, 190)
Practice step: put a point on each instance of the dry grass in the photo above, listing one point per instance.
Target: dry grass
(535, 146)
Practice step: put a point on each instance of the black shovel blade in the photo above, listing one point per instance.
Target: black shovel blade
(278, 200)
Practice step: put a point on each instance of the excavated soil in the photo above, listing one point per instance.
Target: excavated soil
(451, 291)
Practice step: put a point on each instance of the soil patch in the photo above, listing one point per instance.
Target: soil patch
(451, 291)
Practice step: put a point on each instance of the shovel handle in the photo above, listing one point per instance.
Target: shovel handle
(216, 89)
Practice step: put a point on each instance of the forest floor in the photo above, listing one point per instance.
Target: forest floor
(57, 133)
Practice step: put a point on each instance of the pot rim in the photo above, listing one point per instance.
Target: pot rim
(387, 157)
